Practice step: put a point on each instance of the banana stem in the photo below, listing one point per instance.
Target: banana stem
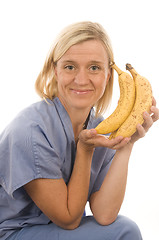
(128, 66)
(119, 71)
(131, 69)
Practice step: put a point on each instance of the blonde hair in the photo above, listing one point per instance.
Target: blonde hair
(46, 85)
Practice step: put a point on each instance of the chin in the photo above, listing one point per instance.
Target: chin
(79, 105)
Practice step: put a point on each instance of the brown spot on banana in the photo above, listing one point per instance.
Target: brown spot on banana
(143, 102)
(125, 103)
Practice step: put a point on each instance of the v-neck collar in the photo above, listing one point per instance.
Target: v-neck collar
(65, 119)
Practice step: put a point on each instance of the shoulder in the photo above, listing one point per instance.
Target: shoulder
(27, 143)
(18, 135)
(38, 114)
(40, 128)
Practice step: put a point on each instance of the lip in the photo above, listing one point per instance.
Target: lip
(81, 91)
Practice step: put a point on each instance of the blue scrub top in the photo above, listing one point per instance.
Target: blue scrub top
(39, 143)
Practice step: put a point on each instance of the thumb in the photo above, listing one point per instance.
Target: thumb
(87, 134)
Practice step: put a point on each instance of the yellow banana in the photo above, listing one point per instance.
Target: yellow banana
(125, 104)
(143, 102)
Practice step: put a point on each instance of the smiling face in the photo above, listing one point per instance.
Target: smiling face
(82, 73)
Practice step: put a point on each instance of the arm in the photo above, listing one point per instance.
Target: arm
(105, 203)
(64, 205)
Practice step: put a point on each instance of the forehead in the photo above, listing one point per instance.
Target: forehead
(90, 49)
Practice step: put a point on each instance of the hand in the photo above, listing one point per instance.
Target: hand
(89, 139)
(149, 119)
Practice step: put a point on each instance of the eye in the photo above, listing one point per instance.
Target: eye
(69, 67)
(94, 68)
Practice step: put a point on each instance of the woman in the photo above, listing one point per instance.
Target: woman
(52, 161)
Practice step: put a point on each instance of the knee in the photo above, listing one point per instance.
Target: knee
(130, 230)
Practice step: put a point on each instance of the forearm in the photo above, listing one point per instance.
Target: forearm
(78, 186)
(106, 203)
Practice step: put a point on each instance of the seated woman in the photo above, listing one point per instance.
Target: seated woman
(52, 161)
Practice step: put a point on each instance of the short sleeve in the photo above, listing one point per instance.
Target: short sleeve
(26, 154)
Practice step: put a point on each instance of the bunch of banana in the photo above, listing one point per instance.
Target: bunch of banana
(125, 103)
(131, 107)
(143, 102)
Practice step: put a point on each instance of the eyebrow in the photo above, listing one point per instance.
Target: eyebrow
(68, 61)
(91, 62)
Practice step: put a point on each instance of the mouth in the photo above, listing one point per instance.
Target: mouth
(81, 91)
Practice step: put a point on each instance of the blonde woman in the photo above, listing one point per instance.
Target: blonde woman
(52, 161)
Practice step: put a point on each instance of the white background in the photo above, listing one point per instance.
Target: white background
(27, 30)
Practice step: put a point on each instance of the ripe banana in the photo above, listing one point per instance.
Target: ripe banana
(125, 103)
(143, 102)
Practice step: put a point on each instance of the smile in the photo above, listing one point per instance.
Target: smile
(81, 92)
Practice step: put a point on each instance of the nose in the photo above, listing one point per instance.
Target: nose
(81, 77)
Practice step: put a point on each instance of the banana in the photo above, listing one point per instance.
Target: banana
(143, 102)
(125, 103)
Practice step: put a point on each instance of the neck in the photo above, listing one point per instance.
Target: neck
(78, 119)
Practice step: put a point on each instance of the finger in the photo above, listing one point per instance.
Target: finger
(155, 113)
(141, 130)
(87, 134)
(153, 102)
(114, 142)
(148, 121)
(122, 143)
(104, 141)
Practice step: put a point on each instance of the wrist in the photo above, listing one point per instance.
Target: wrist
(127, 148)
(84, 148)
(130, 145)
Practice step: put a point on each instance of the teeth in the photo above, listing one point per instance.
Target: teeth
(81, 92)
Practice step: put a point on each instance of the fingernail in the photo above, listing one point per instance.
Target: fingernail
(146, 114)
(93, 132)
(152, 108)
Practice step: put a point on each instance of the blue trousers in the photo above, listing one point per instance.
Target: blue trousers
(122, 229)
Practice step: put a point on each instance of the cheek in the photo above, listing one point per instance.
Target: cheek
(63, 82)
(63, 77)
(100, 87)
(101, 82)
(60, 78)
